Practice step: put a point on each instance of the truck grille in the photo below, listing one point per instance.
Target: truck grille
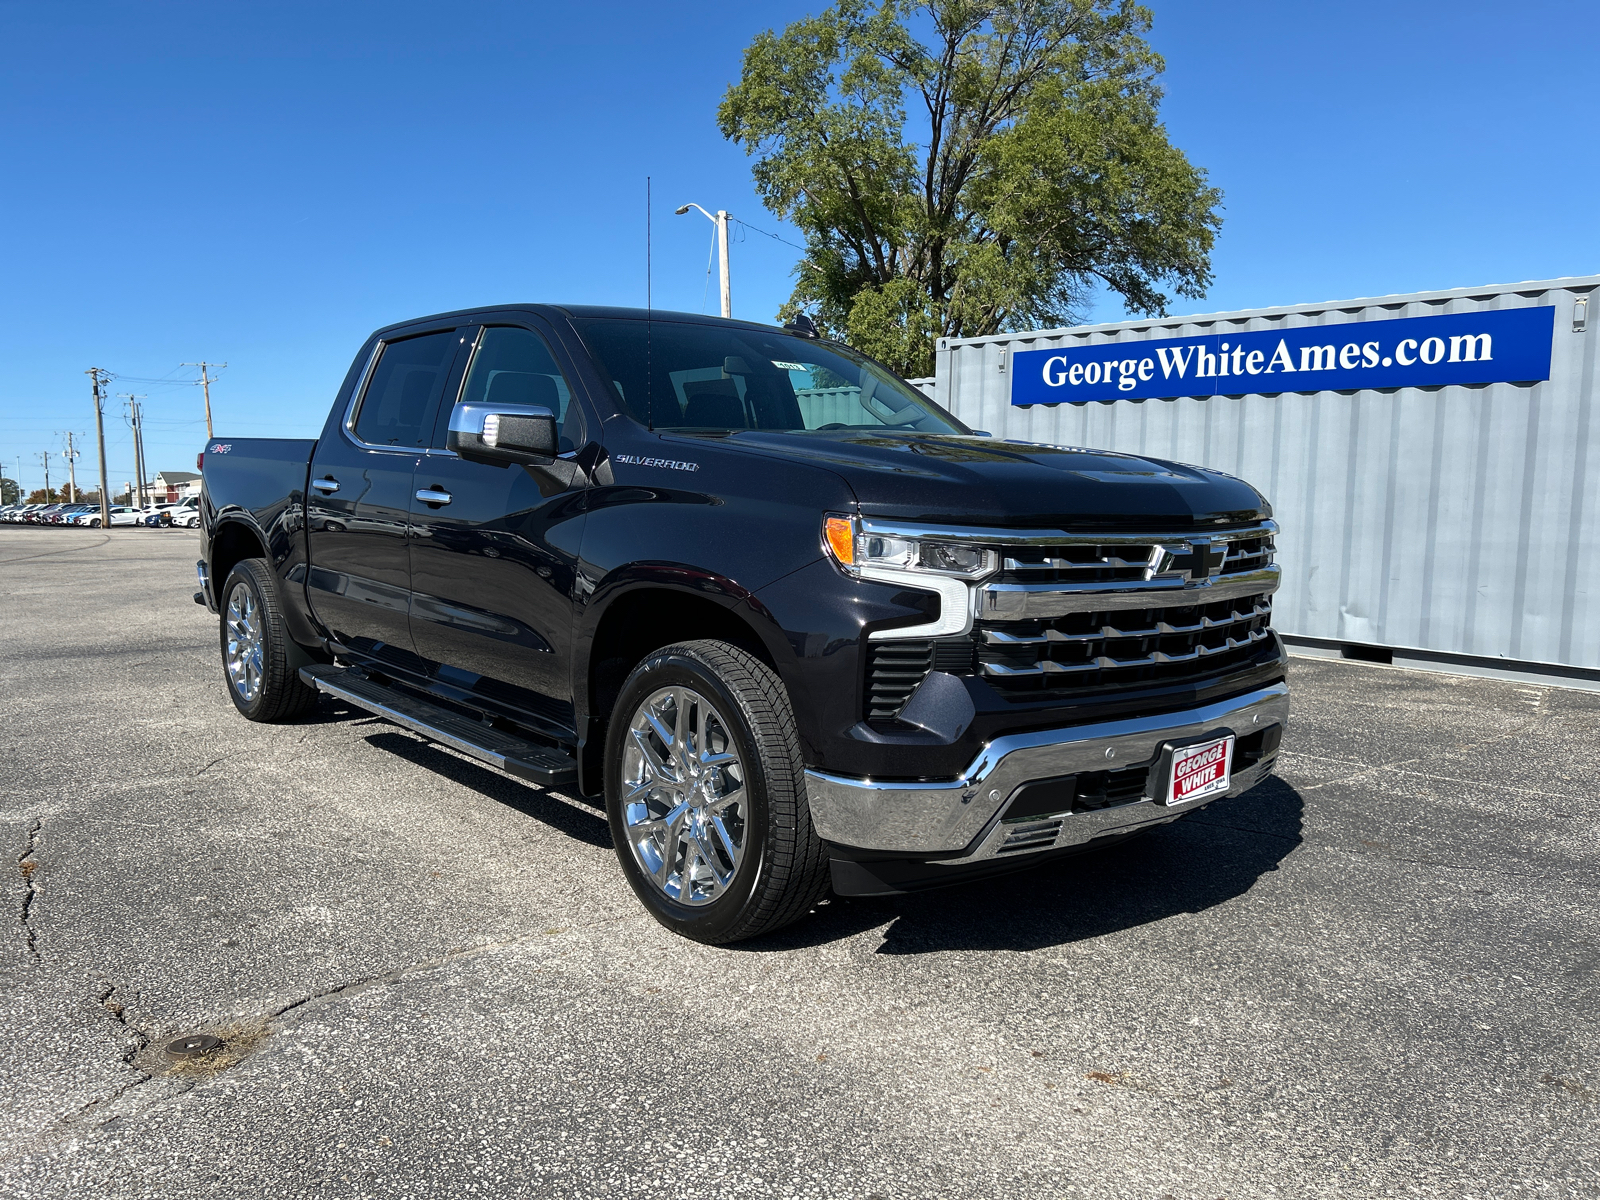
(1111, 649)
(1099, 612)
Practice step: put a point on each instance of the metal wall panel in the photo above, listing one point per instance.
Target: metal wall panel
(1457, 520)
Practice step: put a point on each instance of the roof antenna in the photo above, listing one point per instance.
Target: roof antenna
(649, 321)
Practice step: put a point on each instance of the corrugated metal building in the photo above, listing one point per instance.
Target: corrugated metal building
(1450, 524)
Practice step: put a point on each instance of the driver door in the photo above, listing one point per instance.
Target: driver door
(494, 547)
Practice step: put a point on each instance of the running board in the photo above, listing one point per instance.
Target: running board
(516, 756)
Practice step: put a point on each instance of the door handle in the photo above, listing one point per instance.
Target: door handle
(326, 486)
(433, 496)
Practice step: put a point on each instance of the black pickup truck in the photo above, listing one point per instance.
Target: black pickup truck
(800, 627)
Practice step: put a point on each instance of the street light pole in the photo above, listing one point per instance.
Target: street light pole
(720, 220)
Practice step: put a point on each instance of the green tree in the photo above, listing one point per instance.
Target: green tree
(962, 167)
(9, 491)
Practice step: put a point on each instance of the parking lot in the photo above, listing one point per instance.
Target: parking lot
(1376, 975)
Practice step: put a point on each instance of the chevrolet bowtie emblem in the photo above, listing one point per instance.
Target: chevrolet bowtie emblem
(1200, 559)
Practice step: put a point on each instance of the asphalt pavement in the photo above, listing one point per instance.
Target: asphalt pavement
(1375, 975)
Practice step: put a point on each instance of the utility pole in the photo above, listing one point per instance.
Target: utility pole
(99, 378)
(721, 222)
(136, 420)
(71, 456)
(46, 455)
(205, 381)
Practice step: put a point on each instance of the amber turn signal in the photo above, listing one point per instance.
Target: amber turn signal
(841, 538)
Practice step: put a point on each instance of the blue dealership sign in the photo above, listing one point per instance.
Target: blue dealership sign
(1493, 346)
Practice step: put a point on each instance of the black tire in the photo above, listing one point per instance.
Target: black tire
(95, 523)
(783, 871)
(279, 694)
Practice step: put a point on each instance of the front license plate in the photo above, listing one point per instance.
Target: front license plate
(1200, 771)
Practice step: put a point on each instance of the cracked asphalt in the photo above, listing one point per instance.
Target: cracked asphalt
(1373, 976)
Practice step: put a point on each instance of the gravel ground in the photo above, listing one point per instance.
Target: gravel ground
(1373, 976)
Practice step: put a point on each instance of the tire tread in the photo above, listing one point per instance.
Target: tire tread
(283, 695)
(798, 876)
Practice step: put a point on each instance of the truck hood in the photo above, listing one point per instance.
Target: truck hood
(988, 481)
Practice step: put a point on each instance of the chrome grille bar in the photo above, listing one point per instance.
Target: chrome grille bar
(1105, 662)
(1025, 601)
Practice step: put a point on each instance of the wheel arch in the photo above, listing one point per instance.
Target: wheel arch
(635, 622)
(233, 541)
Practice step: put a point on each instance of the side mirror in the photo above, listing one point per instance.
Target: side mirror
(507, 433)
(981, 433)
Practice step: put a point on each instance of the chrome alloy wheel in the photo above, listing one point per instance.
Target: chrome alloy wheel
(683, 795)
(243, 653)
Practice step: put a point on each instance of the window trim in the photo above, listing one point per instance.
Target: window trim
(353, 409)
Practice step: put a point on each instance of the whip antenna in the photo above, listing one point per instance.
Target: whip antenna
(649, 316)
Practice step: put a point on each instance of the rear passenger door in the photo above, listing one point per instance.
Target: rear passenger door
(359, 498)
(494, 547)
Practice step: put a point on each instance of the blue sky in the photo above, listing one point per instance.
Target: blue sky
(265, 184)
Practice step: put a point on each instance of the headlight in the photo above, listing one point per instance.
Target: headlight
(856, 546)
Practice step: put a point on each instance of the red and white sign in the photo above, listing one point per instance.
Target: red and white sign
(1199, 771)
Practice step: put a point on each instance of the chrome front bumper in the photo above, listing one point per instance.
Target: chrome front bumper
(963, 820)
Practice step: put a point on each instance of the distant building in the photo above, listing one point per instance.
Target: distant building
(170, 487)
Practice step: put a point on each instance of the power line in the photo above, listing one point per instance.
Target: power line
(773, 236)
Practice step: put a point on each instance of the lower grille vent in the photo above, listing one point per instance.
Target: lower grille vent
(893, 671)
(1105, 789)
(1047, 799)
(1032, 835)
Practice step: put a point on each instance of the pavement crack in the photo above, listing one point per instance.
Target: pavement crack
(1482, 868)
(464, 953)
(119, 1014)
(1399, 764)
(29, 866)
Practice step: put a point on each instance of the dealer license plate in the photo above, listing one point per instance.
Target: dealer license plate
(1200, 771)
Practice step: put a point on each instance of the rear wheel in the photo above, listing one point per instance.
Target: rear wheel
(705, 791)
(255, 660)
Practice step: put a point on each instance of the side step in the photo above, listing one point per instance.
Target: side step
(516, 756)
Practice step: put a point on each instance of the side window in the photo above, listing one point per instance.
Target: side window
(514, 366)
(396, 410)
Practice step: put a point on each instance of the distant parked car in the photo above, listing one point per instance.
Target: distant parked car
(121, 514)
(187, 514)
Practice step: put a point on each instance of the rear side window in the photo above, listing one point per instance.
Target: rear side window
(514, 366)
(397, 409)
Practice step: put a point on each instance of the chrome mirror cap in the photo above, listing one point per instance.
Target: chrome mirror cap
(504, 432)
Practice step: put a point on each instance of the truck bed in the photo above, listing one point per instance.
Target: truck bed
(260, 475)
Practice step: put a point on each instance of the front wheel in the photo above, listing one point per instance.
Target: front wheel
(705, 791)
(255, 661)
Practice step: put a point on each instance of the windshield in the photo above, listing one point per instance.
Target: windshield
(719, 378)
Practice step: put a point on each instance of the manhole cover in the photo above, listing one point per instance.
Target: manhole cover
(193, 1046)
